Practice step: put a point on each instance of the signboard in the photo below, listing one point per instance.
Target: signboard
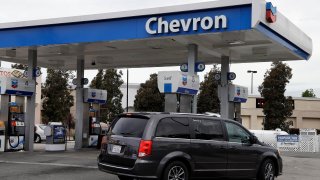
(58, 134)
(154, 25)
(285, 141)
(271, 13)
(238, 93)
(36, 73)
(134, 26)
(17, 86)
(16, 73)
(97, 96)
(178, 82)
(231, 76)
(184, 67)
(199, 67)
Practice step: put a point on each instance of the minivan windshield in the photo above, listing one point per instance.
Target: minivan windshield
(129, 126)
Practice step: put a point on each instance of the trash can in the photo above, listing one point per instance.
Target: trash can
(55, 138)
(2, 136)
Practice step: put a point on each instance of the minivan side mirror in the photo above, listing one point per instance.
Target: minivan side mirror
(253, 140)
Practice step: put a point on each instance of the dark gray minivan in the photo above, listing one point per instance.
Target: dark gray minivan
(182, 146)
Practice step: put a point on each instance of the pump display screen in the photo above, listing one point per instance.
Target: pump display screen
(58, 134)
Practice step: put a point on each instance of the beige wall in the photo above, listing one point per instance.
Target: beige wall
(312, 123)
(305, 115)
(246, 121)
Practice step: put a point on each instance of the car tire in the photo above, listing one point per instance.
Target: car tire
(125, 178)
(267, 170)
(176, 170)
(37, 138)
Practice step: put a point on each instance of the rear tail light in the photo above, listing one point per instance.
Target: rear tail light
(145, 148)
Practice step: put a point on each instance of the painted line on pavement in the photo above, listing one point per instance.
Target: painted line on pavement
(50, 164)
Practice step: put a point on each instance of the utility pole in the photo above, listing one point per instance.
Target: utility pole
(252, 72)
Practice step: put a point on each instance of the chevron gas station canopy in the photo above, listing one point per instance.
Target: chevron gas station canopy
(245, 30)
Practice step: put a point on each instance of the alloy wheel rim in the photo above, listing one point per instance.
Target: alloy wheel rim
(176, 173)
(269, 172)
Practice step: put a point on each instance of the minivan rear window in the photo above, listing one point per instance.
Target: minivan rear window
(129, 126)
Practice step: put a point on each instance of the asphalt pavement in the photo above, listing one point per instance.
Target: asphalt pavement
(78, 165)
(41, 165)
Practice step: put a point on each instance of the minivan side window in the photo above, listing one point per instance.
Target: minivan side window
(208, 129)
(129, 126)
(173, 128)
(237, 134)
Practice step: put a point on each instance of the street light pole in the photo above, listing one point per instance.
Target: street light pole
(250, 71)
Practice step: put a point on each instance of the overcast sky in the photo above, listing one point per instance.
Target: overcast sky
(305, 15)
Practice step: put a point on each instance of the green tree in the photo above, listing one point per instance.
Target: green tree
(308, 93)
(57, 98)
(208, 100)
(277, 107)
(148, 97)
(111, 81)
(97, 81)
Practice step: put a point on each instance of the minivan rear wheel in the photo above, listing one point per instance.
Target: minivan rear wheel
(176, 171)
(267, 170)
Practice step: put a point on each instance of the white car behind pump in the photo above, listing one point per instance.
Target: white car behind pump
(39, 133)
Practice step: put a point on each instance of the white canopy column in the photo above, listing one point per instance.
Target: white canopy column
(79, 104)
(31, 101)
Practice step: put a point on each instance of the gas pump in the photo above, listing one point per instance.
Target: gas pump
(93, 98)
(179, 89)
(2, 135)
(15, 126)
(13, 92)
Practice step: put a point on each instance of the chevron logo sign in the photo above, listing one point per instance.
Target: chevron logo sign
(271, 13)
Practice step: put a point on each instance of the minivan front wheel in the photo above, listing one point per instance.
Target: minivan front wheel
(176, 171)
(267, 170)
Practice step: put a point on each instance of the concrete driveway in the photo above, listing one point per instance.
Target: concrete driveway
(78, 165)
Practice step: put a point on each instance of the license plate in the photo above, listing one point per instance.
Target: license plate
(116, 149)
